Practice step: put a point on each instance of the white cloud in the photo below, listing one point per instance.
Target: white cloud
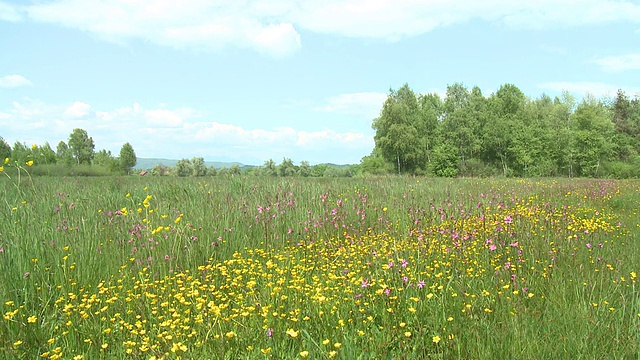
(270, 26)
(582, 88)
(14, 81)
(178, 133)
(619, 63)
(365, 104)
(78, 110)
(9, 12)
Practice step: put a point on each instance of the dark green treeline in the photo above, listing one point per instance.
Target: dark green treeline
(507, 133)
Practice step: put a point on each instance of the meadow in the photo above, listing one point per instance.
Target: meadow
(288, 268)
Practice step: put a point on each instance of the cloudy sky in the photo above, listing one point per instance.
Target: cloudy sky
(250, 80)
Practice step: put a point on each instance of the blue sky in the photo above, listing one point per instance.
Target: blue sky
(254, 80)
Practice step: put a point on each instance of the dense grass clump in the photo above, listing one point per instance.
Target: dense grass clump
(128, 267)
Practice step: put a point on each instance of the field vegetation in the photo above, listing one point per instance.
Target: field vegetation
(371, 268)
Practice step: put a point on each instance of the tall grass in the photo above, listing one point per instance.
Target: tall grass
(390, 267)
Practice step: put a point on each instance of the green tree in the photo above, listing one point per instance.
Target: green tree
(81, 146)
(127, 158)
(160, 170)
(198, 167)
(63, 153)
(286, 168)
(20, 152)
(269, 168)
(5, 149)
(235, 170)
(45, 154)
(305, 169)
(397, 134)
(593, 133)
(184, 168)
(105, 159)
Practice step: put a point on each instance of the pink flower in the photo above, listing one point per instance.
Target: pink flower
(508, 219)
(420, 284)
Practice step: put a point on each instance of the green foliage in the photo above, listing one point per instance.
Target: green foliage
(198, 167)
(506, 133)
(286, 168)
(81, 146)
(183, 168)
(127, 158)
(5, 149)
(444, 161)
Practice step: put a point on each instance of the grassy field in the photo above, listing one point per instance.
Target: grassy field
(285, 268)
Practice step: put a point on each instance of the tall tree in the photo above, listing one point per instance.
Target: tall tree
(127, 158)
(593, 133)
(396, 134)
(82, 146)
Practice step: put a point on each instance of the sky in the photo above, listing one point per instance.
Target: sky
(252, 80)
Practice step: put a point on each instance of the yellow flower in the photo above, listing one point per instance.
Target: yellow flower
(104, 346)
(1, 168)
(266, 351)
(230, 334)
(34, 146)
(292, 333)
(436, 339)
(17, 343)
(77, 357)
(32, 319)
(325, 341)
(333, 354)
(304, 354)
(407, 334)
(29, 163)
(6, 160)
(337, 345)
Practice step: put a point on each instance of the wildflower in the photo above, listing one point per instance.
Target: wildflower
(292, 333)
(325, 342)
(269, 332)
(32, 319)
(34, 146)
(17, 343)
(1, 168)
(421, 284)
(230, 334)
(333, 354)
(304, 353)
(266, 351)
(337, 345)
(436, 339)
(508, 219)
(407, 334)
(6, 161)
(29, 163)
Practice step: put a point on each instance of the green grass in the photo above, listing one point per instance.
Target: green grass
(375, 268)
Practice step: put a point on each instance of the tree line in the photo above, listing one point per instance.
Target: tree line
(77, 153)
(507, 134)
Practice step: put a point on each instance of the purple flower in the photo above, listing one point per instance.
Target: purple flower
(508, 219)
(420, 284)
(404, 263)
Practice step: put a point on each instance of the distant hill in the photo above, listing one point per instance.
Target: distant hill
(149, 163)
